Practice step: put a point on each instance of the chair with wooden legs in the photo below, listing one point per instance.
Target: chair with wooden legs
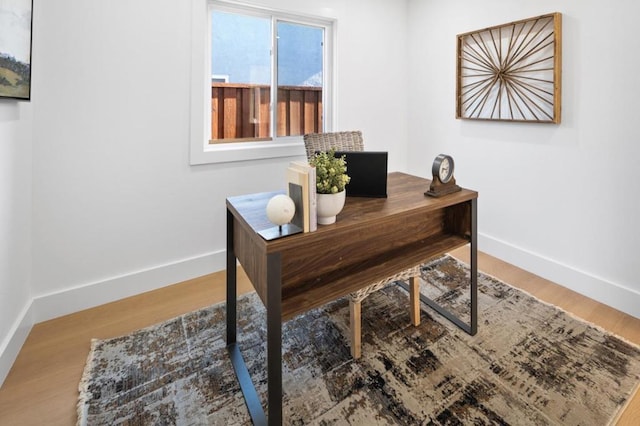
(353, 141)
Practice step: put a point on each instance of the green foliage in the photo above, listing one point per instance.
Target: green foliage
(14, 77)
(331, 172)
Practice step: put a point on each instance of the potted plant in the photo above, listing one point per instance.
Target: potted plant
(331, 179)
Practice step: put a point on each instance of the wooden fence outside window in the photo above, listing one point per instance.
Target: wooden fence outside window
(240, 112)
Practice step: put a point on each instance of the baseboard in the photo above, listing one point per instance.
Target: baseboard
(16, 337)
(53, 305)
(67, 301)
(617, 296)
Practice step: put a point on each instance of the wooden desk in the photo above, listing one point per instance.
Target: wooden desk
(373, 238)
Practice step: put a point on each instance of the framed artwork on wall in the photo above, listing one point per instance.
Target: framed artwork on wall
(511, 72)
(16, 17)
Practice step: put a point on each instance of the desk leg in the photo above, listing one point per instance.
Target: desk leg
(274, 338)
(242, 374)
(474, 267)
(231, 283)
(472, 327)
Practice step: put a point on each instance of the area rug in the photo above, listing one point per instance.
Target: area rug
(530, 363)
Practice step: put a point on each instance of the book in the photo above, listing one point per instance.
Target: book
(310, 171)
(313, 201)
(298, 190)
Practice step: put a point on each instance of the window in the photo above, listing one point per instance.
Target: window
(300, 84)
(268, 82)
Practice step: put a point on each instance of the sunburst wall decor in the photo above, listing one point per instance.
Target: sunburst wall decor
(511, 72)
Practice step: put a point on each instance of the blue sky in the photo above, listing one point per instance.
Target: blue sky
(241, 49)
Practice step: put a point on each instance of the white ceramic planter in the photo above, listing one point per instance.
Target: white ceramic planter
(329, 205)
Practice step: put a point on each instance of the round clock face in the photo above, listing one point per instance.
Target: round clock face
(443, 168)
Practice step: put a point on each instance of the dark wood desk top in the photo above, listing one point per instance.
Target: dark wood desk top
(372, 238)
(405, 193)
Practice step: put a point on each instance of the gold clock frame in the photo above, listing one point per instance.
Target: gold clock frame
(511, 72)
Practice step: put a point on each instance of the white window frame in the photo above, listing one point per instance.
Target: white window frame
(201, 151)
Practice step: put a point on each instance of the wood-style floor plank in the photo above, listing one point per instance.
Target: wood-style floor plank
(41, 388)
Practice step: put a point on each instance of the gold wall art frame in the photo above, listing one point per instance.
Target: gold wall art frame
(511, 72)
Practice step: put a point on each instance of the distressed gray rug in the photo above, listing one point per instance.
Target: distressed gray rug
(530, 363)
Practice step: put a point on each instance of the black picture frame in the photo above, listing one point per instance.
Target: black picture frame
(16, 28)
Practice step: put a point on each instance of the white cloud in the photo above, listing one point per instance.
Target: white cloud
(15, 28)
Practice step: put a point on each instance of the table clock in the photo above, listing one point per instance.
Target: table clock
(443, 181)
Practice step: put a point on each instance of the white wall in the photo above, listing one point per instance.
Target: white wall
(559, 200)
(117, 208)
(15, 234)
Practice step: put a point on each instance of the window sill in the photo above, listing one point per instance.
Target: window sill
(246, 151)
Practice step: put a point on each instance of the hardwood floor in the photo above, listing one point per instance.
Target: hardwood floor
(41, 388)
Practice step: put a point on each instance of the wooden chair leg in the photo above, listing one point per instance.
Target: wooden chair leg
(414, 300)
(356, 329)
